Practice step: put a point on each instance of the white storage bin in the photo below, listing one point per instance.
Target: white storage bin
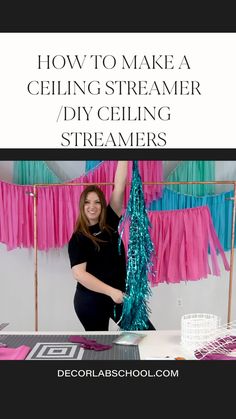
(197, 329)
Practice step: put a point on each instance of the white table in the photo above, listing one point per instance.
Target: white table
(158, 344)
(163, 344)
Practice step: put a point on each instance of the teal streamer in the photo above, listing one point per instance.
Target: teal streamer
(135, 313)
(91, 164)
(30, 172)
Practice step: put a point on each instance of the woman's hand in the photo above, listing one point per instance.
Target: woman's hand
(117, 296)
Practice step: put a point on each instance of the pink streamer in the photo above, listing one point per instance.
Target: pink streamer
(181, 239)
(16, 216)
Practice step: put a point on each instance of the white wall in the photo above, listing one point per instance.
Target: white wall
(6, 171)
(56, 287)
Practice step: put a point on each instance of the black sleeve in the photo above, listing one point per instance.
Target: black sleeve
(77, 249)
(112, 218)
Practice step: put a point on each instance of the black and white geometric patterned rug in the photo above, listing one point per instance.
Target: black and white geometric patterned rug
(53, 350)
(58, 347)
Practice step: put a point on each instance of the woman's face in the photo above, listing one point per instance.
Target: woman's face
(92, 208)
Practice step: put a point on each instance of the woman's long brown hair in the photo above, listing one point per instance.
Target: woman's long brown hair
(82, 225)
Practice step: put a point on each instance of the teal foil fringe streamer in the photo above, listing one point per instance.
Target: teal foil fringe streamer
(135, 313)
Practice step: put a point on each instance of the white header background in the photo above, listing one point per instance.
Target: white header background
(196, 121)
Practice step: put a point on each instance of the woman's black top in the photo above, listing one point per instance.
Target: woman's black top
(107, 263)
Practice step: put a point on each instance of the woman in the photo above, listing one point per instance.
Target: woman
(97, 264)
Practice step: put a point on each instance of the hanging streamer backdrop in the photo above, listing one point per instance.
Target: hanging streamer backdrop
(57, 210)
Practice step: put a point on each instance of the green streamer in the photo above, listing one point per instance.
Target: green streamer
(193, 170)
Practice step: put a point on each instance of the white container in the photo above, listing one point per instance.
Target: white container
(197, 329)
